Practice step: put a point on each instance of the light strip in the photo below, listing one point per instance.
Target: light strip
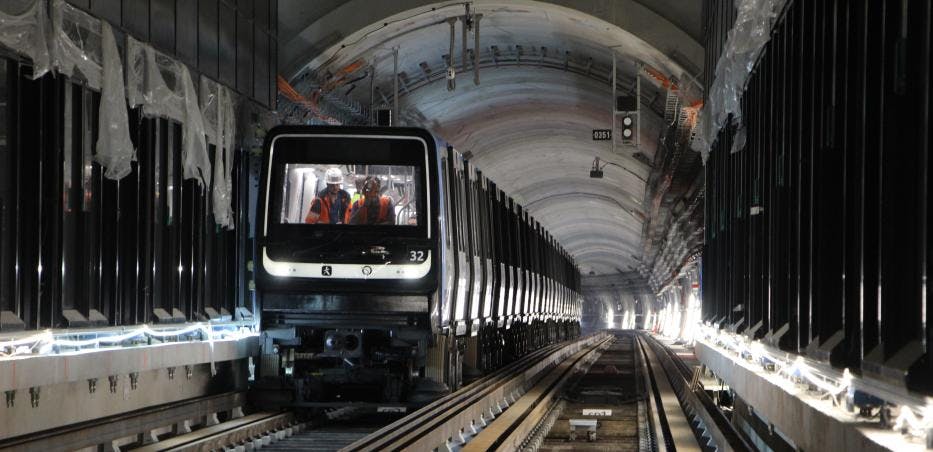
(798, 370)
(44, 343)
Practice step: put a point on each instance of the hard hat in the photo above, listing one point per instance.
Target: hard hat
(333, 176)
(372, 183)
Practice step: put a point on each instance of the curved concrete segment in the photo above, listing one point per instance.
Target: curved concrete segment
(310, 30)
(528, 124)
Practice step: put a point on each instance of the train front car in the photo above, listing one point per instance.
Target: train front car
(348, 268)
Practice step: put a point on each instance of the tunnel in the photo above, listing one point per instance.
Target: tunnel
(231, 224)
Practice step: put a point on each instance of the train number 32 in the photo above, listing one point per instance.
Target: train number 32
(416, 256)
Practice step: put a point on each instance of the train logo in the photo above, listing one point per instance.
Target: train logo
(327, 270)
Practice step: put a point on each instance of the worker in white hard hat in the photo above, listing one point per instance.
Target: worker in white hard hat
(332, 204)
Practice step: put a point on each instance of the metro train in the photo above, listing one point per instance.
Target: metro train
(391, 270)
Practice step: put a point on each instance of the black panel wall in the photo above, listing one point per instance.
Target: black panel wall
(820, 223)
(233, 42)
(74, 241)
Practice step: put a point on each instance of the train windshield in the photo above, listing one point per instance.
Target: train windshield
(349, 194)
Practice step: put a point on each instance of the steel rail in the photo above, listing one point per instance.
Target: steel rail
(435, 408)
(705, 419)
(656, 425)
(112, 428)
(448, 419)
(509, 431)
(679, 433)
(258, 429)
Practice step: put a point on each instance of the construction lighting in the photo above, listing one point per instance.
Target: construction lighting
(596, 172)
(914, 420)
(49, 343)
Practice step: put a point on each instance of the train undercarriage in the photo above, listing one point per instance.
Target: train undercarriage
(319, 367)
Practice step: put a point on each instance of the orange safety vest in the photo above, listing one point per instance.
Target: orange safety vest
(324, 215)
(383, 209)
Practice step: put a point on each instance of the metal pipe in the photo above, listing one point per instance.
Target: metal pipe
(451, 81)
(613, 104)
(476, 19)
(394, 118)
(463, 40)
(372, 96)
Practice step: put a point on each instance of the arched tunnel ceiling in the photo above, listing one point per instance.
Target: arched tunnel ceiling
(528, 124)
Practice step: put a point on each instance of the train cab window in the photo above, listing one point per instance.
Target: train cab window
(321, 187)
(350, 195)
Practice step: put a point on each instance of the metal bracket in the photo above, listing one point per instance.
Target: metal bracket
(774, 337)
(750, 332)
(9, 321)
(590, 424)
(735, 326)
(241, 313)
(34, 396)
(74, 318)
(94, 317)
(824, 351)
(895, 369)
(162, 316)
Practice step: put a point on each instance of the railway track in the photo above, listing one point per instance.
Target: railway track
(619, 391)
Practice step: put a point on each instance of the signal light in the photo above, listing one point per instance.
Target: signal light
(628, 129)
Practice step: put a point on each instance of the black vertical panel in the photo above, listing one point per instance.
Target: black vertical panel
(71, 191)
(91, 207)
(208, 37)
(228, 44)
(903, 183)
(162, 24)
(829, 229)
(854, 175)
(261, 14)
(109, 10)
(127, 260)
(800, 159)
(873, 86)
(50, 229)
(186, 31)
(245, 7)
(176, 220)
(783, 307)
(244, 55)
(83, 4)
(7, 188)
(110, 250)
(136, 18)
(187, 248)
(925, 30)
(261, 66)
(29, 138)
(273, 52)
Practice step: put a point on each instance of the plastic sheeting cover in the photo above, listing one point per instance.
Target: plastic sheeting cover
(164, 88)
(22, 29)
(751, 31)
(154, 81)
(217, 108)
(114, 147)
(77, 43)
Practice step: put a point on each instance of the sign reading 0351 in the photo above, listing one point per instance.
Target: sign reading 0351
(602, 134)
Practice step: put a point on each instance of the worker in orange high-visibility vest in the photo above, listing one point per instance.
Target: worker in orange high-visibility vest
(332, 204)
(373, 208)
